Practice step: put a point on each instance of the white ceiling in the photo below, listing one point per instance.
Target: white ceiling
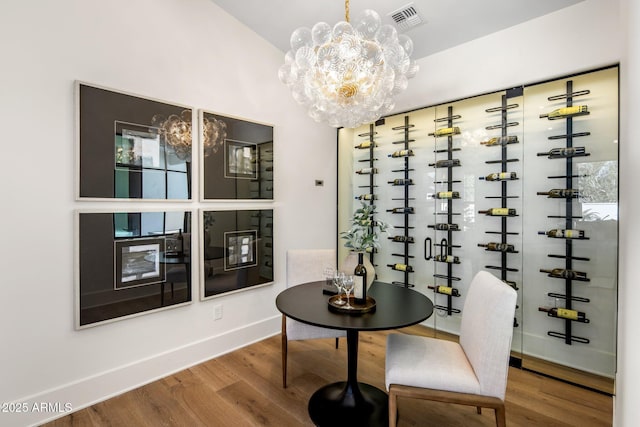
(447, 22)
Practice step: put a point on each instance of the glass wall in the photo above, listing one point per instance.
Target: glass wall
(494, 182)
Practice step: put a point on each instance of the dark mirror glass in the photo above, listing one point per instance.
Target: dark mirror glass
(132, 262)
(237, 250)
(238, 158)
(132, 147)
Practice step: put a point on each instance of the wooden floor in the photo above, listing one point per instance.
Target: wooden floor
(244, 388)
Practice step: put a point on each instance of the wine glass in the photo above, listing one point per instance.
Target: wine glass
(347, 285)
(338, 279)
(329, 272)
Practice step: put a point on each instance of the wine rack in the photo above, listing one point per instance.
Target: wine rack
(445, 245)
(593, 297)
(261, 187)
(367, 167)
(567, 195)
(263, 220)
(504, 177)
(404, 153)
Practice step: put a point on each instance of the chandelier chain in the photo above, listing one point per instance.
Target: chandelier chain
(346, 10)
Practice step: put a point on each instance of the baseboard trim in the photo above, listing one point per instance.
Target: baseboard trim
(60, 401)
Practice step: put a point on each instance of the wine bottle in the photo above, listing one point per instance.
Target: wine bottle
(451, 259)
(499, 212)
(566, 112)
(367, 171)
(402, 239)
(360, 281)
(447, 195)
(444, 226)
(366, 197)
(446, 132)
(500, 140)
(401, 153)
(564, 234)
(565, 274)
(497, 247)
(500, 176)
(408, 210)
(558, 153)
(401, 267)
(180, 244)
(565, 313)
(445, 163)
(401, 181)
(557, 193)
(445, 290)
(365, 144)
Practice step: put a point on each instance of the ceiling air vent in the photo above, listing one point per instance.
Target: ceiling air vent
(406, 17)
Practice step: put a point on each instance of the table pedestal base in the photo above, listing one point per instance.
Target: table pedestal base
(339, 404)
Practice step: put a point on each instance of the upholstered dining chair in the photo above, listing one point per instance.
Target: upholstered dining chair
(472, 372)
(305, 265)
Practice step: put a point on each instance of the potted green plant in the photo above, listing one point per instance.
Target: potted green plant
(363, 236)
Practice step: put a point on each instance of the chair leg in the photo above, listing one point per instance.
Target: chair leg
(501, 420)
(284, 352)
(393, 408)
(336, 342)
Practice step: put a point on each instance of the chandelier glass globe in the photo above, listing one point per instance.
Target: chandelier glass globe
(177, 133)
(347, 75)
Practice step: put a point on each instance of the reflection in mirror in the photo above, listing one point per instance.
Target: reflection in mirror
(237, 250)
(237, 158)
(131, 263)
(146, 167)
(132, 147)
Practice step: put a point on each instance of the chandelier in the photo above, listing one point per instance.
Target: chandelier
(177, 132)
(214, 132)
(347, 75)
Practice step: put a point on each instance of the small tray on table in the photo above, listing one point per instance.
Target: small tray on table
(356, 308)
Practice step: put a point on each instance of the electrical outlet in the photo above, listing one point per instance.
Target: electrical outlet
(217, 312)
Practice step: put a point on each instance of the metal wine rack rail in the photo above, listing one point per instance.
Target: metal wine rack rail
(405, 210)
(265, 225)
(370, 162)
(263, 162)
(445, 246)
(569, 216)
(504, 177)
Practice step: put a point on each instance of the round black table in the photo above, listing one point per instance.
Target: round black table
(350, 402)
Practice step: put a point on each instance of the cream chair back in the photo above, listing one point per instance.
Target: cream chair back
(307, 265)
(487, 329)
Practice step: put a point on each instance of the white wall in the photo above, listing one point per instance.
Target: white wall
(184, 51)
(627, 410)
(574, 39)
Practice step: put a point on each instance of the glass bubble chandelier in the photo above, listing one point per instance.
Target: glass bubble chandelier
(214, 133)
(347, 75)
(177, 133)
(176, 130)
